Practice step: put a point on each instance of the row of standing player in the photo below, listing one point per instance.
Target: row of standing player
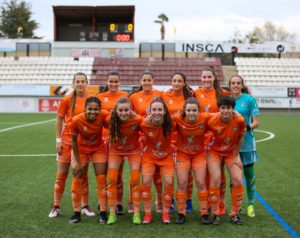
(207, 95)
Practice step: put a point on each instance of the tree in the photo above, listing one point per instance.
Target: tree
(270, 32)
(15, 20)
(161, 19)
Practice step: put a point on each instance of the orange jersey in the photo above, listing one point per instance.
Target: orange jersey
(158, 146)
(89, 132)
(226, 136)
(129, 141)
(141, 100)
(109, 100)
(208, 99)
(190, 137)
(174, 102)
(64, 111)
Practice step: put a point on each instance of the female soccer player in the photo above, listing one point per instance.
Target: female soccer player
(228, 130)
(174, 100)
(191, 126)
(157, 129)
(124, 144)
(88, 145)
(246, 105)
(70, 106)
(140, 101)
(109, 97)
(208, 96)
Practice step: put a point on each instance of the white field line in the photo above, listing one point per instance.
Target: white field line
(34, 155)
(25, 125)
(270, 137)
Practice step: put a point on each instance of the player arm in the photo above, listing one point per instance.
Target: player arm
(254, 124)
(77, 167)
(58, 130)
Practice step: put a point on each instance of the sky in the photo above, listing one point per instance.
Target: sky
(194, 20)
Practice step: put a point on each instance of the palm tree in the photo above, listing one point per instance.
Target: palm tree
(161, 19)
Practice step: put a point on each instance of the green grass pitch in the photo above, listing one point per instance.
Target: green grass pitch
(27, 187)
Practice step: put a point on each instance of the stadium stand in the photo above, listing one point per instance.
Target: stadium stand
(269, 71)
(131, 69)
(43, 70)
(60, 70)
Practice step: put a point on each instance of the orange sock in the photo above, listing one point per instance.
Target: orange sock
(168, 198)
(112, 178)
(181, 202)
(214, 197)
(147, 198)
(158, 186)
(120, 186)
(236, 199)
(203, 201)
(136, 190)
(102, 191)
(85, 191)
(59, 188)
(76, 193)
(222, 189)
(190, 186)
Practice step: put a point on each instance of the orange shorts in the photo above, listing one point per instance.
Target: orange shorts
(133, 159)
(166, 166)
(65, 156)
(186, 161)
(97, 156)
(213, 156)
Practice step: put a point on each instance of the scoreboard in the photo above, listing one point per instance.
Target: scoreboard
(94, 23)
(121, 32)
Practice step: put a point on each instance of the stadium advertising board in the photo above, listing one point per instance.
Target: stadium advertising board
(48, 104)
(8, 46)
(226, 47)
(9, 104)
(85, 52)
(262, 92)
(297, 92)
(278, 102)
(24, 90)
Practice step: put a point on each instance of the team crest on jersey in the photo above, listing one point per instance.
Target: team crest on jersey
(206, 108)
(84, 128)
(235, 128)
(124, 140)
(201, 126)
(105, 99)
(202, 96)
(170, 101)
(150, 133)
(157, 145)
(183, 126)
(190, 139)
(227, 140)
(243, 104)
(219, 131)
(134, 127)
(140, 100)
(177, 162)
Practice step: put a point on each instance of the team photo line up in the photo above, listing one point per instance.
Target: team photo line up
(194, 134)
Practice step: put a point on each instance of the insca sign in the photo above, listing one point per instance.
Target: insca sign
(202, 47)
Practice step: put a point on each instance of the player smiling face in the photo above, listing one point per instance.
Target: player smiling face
(147, 82)
(236, 85)
(80, 83)
(192, 112)
(123, 111)
(113, 83)
(157, 112)
(92, 110)
(226, 112)
(207, 80)
(177, 82)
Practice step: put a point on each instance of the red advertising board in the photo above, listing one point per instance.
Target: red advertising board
(48, 104)
(297, 92)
